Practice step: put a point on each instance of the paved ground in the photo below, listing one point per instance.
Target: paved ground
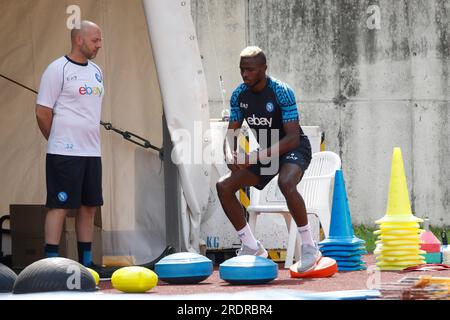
(354, 280)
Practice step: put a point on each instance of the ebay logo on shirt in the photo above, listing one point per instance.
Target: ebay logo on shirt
(96, 91)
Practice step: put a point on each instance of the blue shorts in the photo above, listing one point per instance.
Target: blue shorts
(300, 156)
(73, 181)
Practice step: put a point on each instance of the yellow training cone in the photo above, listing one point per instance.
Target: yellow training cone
(398, 244)
(399, 206)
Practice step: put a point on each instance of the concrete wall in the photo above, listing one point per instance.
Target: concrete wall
(370, 89)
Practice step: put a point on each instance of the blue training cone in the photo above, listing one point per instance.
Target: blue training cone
(341, 228)
(342, 244)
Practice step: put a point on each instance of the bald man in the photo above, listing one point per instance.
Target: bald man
(68, 110)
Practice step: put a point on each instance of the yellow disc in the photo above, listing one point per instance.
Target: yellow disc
(399, 237)
(400, 247)
(390, 267)
(134, 279)
(399, 219)
(399, 225)
(387, 249)
(404, 263)
(95, 275)
(391, 229)
(399, 258)
(415, 252)
(400, 242)
(396, 227)
(400, 251)
(406, 232)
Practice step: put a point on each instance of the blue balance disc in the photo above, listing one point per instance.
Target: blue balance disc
(344, 253)
(248, 270)
(350, 264)
(348, 259)
(325, 248)
(342, 241)
(357, 268)
(184, 268)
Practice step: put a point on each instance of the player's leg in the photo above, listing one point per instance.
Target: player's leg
(91, 199)
(288, 179)
(226, 191)
(293, 166)
(54, 221)
(63, 193)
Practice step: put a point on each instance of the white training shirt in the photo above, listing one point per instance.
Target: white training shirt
(75, 92)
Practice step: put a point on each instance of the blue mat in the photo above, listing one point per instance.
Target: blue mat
(343, 295)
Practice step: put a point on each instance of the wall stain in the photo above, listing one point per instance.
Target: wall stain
(443, 45)
(443, 31)
(444, 154)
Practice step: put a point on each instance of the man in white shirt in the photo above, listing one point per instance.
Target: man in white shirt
(68, 111)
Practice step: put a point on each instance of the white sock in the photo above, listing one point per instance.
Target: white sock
(247, 237)
(305, 235)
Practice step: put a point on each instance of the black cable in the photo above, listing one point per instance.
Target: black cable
(19, 84)
(108, 126)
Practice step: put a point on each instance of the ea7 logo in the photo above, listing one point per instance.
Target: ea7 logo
(244, 105)
(255, 121)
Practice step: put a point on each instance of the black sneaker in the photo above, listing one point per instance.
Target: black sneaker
(151, 265)
(104, 273)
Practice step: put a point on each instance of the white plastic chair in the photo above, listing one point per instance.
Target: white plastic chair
(315, 188)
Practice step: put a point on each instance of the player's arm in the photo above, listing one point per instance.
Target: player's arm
(44, 116)
(231, 142)
(49, 91)
(234, 126)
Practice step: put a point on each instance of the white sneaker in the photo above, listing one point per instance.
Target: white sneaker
(309, 258)
(260, 252)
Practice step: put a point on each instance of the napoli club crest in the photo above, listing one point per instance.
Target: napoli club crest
(98, 77)
(62, 196)
(269, 107)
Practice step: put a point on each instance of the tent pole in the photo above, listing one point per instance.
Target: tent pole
(172, 192)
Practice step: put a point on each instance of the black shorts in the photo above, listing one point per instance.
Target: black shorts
(300, 156)
(73, 181)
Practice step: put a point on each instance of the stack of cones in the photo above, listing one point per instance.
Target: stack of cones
(342, 245)
(398, 246)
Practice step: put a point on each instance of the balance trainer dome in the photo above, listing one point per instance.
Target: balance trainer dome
(184, 268)
(248, 270)
(7, 278)
(54, 274)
